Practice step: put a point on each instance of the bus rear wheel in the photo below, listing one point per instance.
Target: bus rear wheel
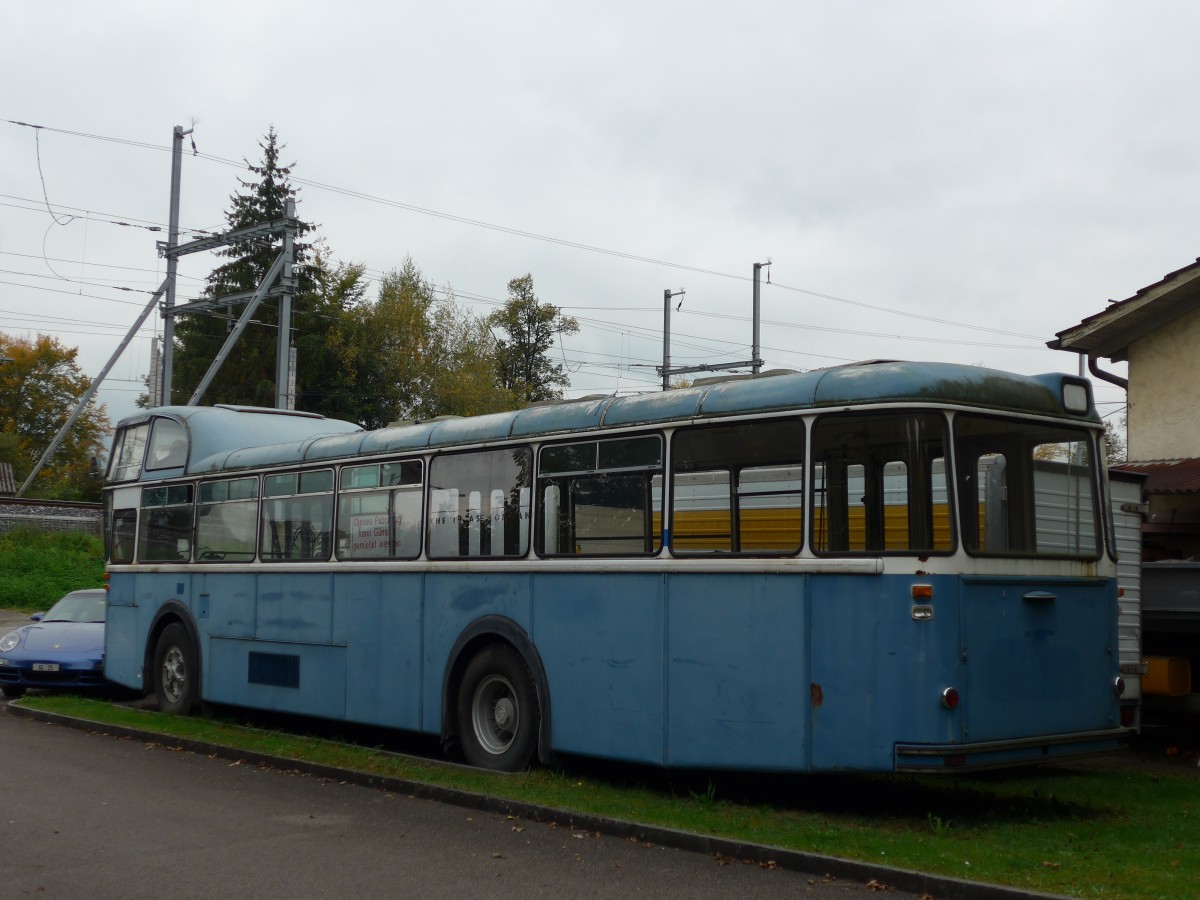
(498, 711)
(175, 671)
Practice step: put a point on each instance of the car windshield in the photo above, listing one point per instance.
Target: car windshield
(81, 606)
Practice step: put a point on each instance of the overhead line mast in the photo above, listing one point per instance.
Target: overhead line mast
(666, 370)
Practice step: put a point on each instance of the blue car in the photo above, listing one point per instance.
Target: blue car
(63, 648)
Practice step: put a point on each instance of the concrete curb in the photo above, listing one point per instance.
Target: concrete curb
(795, 860)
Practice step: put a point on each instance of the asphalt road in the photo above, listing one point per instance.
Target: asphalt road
(86, 815)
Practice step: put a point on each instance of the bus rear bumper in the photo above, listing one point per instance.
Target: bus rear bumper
(1003, 754)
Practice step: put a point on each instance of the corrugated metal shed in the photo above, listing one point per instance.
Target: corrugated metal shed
(1167, 476)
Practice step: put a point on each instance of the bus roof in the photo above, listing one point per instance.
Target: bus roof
(226, 438)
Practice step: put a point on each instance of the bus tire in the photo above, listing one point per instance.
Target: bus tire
(175, 671)
(498, 711)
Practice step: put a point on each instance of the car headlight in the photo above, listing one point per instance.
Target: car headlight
(9, 641)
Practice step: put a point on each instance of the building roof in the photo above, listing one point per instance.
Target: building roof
(1167, 476)
(1109, 333)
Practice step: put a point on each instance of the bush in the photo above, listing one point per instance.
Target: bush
(36, 568)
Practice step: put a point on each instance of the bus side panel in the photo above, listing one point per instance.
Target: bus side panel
(736, 677)
(452, 602)
(877, 671)
(123, 635)
(227, 604)
(294, 606)
(601, 641)
(1041, 656)
(298, 678)
(133, 601)
(378, 618)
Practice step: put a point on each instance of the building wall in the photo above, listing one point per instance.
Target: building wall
(1164, 392)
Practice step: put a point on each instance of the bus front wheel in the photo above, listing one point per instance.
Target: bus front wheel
(175, 671)
(498, 713)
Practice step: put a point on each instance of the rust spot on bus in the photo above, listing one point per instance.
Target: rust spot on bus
(818, 695)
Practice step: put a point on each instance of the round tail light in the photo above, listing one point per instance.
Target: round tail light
(950, 698)
(1119, 686)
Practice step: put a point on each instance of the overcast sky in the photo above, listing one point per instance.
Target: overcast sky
(931, 180)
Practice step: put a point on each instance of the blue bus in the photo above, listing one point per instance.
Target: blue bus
(886, 566)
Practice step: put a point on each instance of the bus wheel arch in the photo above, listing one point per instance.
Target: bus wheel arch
(173, 661)
(495, 672)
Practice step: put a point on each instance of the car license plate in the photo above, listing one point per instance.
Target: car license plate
(45, 667)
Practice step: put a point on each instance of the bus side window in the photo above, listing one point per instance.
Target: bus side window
(297, 516)
(227, 520)
(599, 498)
(165, 531)
(879, 484)
(479, 504)
(738, 488)
(123, 533)
(379, 511)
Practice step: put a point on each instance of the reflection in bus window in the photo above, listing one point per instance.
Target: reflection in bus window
(879, 484)
(479, 504)
(601, 498)
(227, 520)
(738, 488)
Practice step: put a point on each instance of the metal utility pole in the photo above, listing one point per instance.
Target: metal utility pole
(668, 295)
(667, 370)
(284, 373)
(280, 269)
(163, 398)
(758, 267)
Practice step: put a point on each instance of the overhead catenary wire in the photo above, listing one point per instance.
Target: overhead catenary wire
(532, 235)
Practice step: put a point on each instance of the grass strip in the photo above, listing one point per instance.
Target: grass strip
(1085, 831)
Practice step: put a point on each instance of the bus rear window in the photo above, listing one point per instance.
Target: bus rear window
(1026, 488)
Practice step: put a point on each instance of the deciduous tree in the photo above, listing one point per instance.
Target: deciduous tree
(523, 365)
(415, 354)
(40, 385)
